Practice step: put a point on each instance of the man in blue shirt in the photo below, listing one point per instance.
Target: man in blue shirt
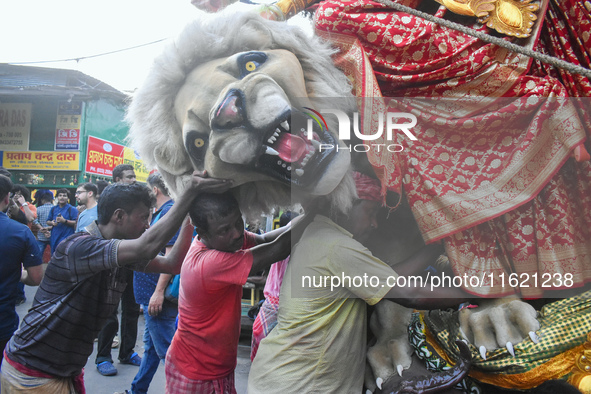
(86, 195)
(19, 249)
(62, 219)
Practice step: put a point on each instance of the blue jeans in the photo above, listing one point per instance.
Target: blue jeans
(157, 337)
(42, 245)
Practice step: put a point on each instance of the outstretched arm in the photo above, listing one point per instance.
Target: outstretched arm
(280, 247)
(424, 297)
(149, 244)
(172, 261)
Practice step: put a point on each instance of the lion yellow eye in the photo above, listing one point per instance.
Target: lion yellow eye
(199, 142)
(250, 66)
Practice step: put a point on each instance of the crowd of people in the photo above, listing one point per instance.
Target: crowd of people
(50, 227)
(129, 241)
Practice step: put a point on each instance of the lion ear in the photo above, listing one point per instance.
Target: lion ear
(254, 34)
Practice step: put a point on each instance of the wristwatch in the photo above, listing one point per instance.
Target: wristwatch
(25, 204)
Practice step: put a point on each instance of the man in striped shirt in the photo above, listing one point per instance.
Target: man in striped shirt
(83, 284)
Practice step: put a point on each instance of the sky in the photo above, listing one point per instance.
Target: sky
(44, 30)
(41, 30)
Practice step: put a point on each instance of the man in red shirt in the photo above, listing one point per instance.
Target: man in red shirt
(202, 356)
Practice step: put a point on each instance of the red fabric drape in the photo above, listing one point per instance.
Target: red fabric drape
(490, 172)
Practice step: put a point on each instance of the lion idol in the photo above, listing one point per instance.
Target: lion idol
(479, 161)
(240, 125)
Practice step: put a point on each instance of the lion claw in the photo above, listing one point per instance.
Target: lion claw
(534, 337)
(483, 352)
(399, 368)
(510, 349)
(379, 382)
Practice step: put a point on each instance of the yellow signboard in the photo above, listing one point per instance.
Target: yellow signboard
(15, 126)
(41, 160)
(141, 172)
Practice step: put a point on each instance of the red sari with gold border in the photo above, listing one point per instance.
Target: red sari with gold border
(491, 172)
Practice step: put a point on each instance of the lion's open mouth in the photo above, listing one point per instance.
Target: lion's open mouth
(288, 155)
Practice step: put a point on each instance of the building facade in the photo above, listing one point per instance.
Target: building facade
(60, 128)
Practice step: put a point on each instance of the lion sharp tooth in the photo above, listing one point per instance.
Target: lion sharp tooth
(285, 125)
(271, 151)
(399, 369)
(306, 159)
(276, 133)
(299, 172)
(315, 143)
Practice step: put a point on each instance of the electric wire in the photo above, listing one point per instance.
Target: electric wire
(78, 59)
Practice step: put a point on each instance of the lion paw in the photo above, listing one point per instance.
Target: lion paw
(499, 323)
(391, 354)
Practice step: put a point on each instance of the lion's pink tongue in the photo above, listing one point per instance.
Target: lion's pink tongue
(291, 148)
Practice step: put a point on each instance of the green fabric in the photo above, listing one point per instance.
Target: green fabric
(431, 360)
(564, 324)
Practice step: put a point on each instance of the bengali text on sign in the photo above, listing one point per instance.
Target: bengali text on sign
(41, 160)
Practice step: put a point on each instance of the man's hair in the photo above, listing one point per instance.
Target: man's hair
(155, 179)
(287, 217)
(101, 185)
(43, 195)
(23, 191)
(122, 196)
(90, 187)
(5, 172)
(5, 186)
(211, 206)
(62, 190)
(118, 171)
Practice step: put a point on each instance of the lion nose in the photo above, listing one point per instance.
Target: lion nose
(229, 113)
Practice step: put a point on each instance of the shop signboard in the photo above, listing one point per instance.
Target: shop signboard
(67, 128)
(130, 157)
(41, 160)
(15, 126)
(102, 156)
(105, 155)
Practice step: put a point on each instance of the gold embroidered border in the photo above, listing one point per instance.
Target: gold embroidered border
(437, 219)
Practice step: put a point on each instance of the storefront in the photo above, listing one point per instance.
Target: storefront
(60, 128)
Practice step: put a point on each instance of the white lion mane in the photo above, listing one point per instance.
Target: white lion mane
(155, 132)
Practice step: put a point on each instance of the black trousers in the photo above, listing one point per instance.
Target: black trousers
(130, 312)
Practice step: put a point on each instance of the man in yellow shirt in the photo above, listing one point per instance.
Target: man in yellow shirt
(319, 343)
